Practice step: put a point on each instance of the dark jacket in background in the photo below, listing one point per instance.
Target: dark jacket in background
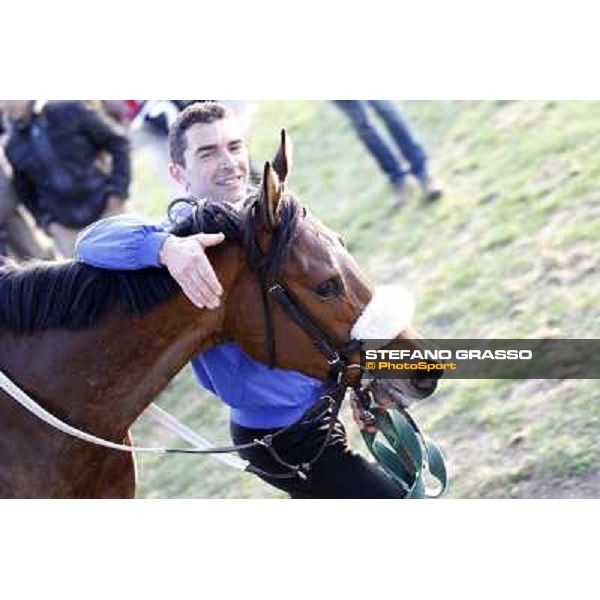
(57, 162)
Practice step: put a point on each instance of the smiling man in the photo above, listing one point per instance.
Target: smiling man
(210, 160)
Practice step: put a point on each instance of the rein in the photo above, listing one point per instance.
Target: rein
(329, 402)
(406, 457)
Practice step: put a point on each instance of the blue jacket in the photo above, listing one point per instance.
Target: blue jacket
(259, 397)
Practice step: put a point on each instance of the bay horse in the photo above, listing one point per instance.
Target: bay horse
(95, 347)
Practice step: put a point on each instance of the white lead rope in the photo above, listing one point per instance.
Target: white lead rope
(168, 421)
(157, 414)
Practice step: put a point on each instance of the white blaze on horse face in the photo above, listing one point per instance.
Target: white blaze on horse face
(387, 315)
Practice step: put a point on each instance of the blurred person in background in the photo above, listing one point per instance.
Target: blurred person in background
(58, 151)
(120, 111)
(19, 237)
(409, 149)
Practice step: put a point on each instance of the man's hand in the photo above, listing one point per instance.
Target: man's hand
(187, 262)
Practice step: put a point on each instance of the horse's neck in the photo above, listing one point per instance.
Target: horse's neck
(102, 379)
(156, 349)
(157, 346)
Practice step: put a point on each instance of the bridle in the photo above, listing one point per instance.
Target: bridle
(405, 454)
(343, 373)
(337, 355)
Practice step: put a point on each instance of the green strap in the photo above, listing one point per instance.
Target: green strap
(406, 455)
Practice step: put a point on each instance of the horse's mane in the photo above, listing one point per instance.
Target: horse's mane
(36, 296)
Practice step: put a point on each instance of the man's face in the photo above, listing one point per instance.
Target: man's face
(216, 161)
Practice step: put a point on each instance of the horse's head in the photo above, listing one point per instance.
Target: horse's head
(303, 287)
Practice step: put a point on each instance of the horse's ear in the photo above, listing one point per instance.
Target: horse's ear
(270, 197)
(282, 163)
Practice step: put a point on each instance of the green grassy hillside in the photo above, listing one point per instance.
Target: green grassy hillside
(510, 251)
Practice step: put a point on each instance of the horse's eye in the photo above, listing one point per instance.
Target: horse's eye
(331, 288)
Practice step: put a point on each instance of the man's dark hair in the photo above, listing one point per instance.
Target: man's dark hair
(200, 112)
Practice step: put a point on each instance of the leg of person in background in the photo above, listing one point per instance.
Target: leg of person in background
(8, 198)
(408, 146)
(19, 235)
(25, 239)
(356, 112)
(3, 243)
(8, 203)
(64, 239)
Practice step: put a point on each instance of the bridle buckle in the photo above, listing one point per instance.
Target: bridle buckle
(336, 360)
(276, 287)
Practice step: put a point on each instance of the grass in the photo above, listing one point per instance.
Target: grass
(509, 252)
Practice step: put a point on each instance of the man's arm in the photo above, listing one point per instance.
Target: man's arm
(125, 242)
(130, 242)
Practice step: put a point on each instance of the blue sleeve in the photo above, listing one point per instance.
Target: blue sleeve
(121, 242)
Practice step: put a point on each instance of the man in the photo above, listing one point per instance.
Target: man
(210, 160)
(411, 151)
(58, 152)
